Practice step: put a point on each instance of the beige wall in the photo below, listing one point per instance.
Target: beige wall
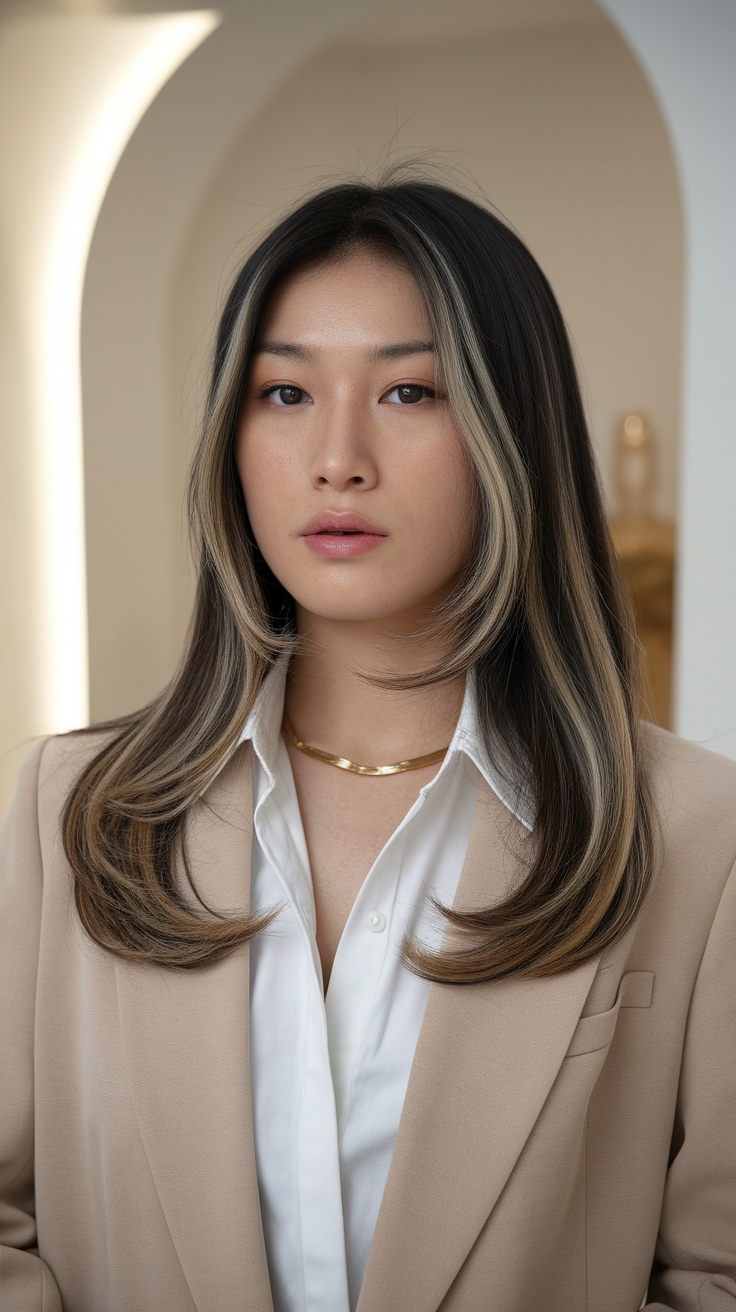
(688, 52)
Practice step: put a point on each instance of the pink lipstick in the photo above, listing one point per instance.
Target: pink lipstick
(341, 534)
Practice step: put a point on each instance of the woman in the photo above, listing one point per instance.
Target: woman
(384, 960)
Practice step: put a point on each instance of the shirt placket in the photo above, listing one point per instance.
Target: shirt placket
(324, 1259)
(357, 967)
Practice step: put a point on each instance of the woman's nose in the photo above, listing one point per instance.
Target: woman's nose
(342, 455)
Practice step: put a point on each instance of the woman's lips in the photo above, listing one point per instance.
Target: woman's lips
(341, 533)
(342, 544)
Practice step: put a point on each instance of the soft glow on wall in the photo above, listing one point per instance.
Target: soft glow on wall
(74, 89)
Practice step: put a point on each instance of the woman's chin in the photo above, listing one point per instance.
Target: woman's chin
(398, 613)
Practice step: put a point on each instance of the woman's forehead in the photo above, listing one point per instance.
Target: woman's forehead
(364, 297)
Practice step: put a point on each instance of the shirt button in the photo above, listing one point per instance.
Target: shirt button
(375, 921)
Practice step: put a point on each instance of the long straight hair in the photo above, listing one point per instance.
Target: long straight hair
(540, 614)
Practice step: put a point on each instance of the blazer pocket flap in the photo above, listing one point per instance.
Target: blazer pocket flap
(636, 989)
(594, 1032)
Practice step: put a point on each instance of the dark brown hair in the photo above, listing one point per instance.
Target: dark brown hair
(540, 615)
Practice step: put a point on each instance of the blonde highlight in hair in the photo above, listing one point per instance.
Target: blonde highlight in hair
(539, 615)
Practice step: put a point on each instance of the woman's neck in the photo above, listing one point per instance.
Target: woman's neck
(332, 707)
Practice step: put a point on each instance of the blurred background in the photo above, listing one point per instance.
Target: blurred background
(145, 149)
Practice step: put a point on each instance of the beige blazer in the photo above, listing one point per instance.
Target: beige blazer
(566, 1144)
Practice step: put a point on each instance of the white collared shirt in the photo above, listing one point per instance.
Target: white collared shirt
(329, 1074)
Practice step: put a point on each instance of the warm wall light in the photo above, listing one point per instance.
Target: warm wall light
(74, 89)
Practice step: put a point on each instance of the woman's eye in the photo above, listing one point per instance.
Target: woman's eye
(410, 393)
(285, 394)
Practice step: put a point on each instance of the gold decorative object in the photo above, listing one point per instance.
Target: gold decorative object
(635, 469)
(645, 545)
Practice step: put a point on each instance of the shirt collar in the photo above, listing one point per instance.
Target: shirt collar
(263, 727)
(498, 774)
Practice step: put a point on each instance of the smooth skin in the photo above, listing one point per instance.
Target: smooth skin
(343, 412)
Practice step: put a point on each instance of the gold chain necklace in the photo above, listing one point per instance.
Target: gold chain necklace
(343, 764)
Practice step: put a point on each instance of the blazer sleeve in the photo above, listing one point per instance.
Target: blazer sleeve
(695, 1257)
(26, 1281)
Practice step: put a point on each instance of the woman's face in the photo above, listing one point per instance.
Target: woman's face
(357, 484)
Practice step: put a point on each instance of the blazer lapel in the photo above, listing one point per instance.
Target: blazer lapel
(185, 1034)
(486, 1058)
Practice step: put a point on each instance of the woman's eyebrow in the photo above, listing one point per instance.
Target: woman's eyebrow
(397, 350)
(391, 351)
(292, 350)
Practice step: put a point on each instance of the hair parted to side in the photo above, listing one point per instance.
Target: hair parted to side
(540, 614)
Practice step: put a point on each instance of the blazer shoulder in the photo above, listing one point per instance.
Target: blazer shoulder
(694, 793)
(49, 762)
(61, 760)
(686, 763)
